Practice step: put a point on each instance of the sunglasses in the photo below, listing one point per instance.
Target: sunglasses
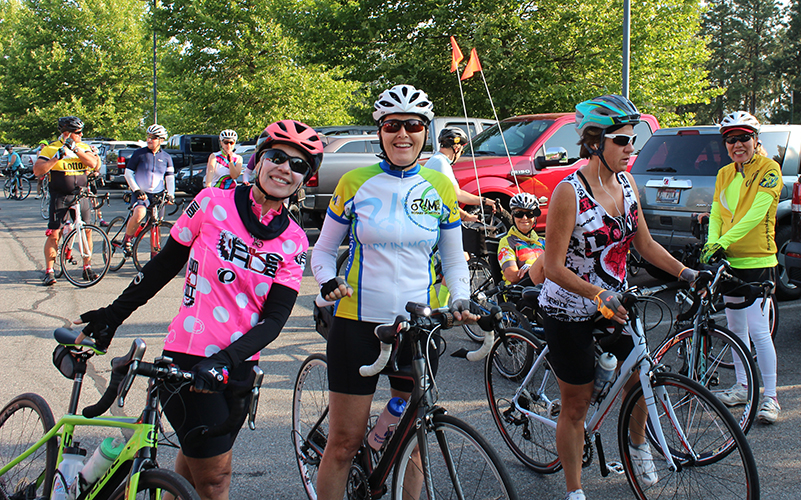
(524, 213)
(228, 142)
(734, 139)
(153, 137)
(622, 139)
(412, 125)
(297, 165)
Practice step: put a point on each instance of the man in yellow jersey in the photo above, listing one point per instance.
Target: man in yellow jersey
(69, 161)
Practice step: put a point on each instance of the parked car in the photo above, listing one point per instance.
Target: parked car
(676, 172)
(190, 179)
(337, 130)
(27, 157)
(542, 152)
(107, 150)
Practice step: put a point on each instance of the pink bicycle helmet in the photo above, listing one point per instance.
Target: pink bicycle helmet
(299, 135)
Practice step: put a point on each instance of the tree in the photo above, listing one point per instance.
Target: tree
(538, 57)
(83, 58)
(788, 63)
(229, 66)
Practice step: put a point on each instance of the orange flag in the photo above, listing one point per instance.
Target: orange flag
(473, 65)
(456, 55)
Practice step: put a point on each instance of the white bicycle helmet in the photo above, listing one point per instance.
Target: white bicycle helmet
(525, 201)
(157, 130)
(228, 134)
(739, 119)
(403, 99)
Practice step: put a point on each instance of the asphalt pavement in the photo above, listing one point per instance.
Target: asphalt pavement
(264, 463)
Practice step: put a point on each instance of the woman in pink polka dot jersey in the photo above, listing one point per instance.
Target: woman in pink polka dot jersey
(244, 260)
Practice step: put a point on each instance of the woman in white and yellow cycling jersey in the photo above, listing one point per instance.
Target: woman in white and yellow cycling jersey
(394, 213)
(742, 228)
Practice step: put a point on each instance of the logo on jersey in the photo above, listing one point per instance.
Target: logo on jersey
(771, 180)
(232, 249)
(226, 276)
(190, 285)
(300, 259)
(193, 208)
(423, 206)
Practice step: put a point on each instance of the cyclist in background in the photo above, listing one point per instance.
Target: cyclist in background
(68, 161)
(742, 229)
(14, 166)
(520, 249)
(224, 166)
(40, 179)
(148, 173)
(593, 219)
(395, 213)
(244, 260)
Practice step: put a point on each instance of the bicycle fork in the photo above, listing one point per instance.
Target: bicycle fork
(651, 396)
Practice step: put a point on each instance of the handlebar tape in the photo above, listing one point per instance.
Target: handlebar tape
(107, 399)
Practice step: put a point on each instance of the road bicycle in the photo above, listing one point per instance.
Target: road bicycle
(151, 235)
(45, 201)
(16, 186)
(698, 449)
(456, 461)
(82, 245)
(706, 351)
(32, 444)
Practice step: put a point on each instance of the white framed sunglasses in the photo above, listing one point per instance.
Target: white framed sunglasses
(622, 139)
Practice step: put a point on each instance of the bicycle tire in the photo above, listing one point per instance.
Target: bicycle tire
(45, 205)
(456, 451)
(721, 346)
(514, 404)
(725, 467)
(153, 483)
(24, 189)
(511, 356)
(480, 279)
(7, 189)
(143, 254)
(72, 265)
(116, 233)
(23, 421)
(310, 413)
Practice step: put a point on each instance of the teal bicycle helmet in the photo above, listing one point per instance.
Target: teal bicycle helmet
(606, 111)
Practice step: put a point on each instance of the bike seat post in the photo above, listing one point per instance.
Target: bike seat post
(80, 370)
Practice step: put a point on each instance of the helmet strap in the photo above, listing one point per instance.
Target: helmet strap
(599, 152)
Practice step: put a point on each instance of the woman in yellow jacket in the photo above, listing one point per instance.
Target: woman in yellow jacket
(741, 228)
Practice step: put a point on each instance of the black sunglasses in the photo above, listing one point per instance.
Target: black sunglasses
(228, 142)
(412, 125)
(622, 139)
(524, 213)
(297, 165)
(734, 139)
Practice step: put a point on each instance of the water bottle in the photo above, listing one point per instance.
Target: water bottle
(97, 465)
(389, 417)
(71, 464)
(604, 375)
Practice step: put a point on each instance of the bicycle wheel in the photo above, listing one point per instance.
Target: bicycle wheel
(310, 419)
(150, 242)
(23, 188)
(461, 464)
(92, 247)
(7, 189)
(23, 422)
(480, 280)
(155, 483)
(720, 464)
(714, 369)
(511, 356)
(116, 233)
(45, 205)
(525, 412)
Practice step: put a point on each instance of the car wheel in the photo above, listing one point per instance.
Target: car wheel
(784, 289)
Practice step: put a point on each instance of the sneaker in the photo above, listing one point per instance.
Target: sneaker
(734, 395)
(768, 411)
(103, 223)
(576, 495)
(89, 275)
(36, 197)
(49, 279)
(643, 463)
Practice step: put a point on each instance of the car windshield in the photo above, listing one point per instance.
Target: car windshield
(519, 136)
(695, 154)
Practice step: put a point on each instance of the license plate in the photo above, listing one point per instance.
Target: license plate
(667, 195)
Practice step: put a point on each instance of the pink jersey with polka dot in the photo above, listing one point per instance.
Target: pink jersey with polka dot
(229, 273)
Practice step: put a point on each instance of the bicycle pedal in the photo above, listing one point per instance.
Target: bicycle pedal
(615, 467)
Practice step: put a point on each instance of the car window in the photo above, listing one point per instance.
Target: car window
(374, 147)
(519, 136)
(352, 147)
(172, 143)
(775, 144)
(201, 145)
(690, 154)
(566, 137)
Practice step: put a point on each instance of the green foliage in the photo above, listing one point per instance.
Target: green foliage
(83, 58)
(229, 66)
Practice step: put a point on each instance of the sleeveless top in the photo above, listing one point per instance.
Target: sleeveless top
(222, 170)
(596, 252)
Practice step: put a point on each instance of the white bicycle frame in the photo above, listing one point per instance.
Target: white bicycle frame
(78, 225)
(639, 359)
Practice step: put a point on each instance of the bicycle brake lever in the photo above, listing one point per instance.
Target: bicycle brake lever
(254, 399)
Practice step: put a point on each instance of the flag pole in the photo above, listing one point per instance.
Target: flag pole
(505, 147)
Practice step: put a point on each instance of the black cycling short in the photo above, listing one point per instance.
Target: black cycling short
(757, 275)
(60, 205)
(147, 202)
(186, 410)
(352, 344)
(572, 349)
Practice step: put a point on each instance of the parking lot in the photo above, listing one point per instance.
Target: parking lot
(264, 465)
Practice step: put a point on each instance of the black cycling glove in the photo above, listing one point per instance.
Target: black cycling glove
(331, 285)
(69, 144)
(101, 326)
(140, 194)
(211, 374)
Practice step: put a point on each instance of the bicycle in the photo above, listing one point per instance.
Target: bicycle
(45, 203)
(457, 463)
(704, 350)
(32, 444)
(90, 239)
(150, 236)
(16, 186)
(698, 449)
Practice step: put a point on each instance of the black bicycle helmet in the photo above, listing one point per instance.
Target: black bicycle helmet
(69, 124)
(452, 136)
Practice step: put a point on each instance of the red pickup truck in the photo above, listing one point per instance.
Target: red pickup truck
(542, 152)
